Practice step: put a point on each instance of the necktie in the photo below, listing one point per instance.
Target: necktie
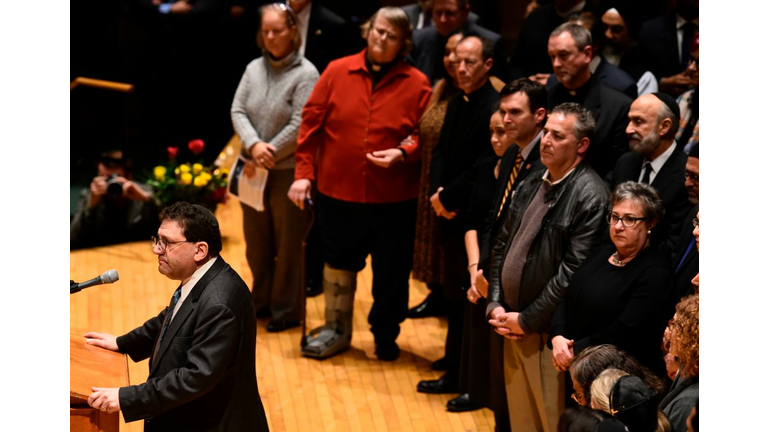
(647, 175)
(689, 29)
(685, 255)
(168, 316)
(512, 178)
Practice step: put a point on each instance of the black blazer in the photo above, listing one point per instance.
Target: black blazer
(429, 47)
(203, 377)
(659, 50)
(609, 75)
(492, 224)
(685, 267)
(670, 184)
(413, 11)
(326, 37)
(610, 109)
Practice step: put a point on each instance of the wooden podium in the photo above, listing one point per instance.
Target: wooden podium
(92, 366)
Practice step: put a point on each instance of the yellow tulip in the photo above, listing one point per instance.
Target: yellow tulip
(160, 173)
(197, 168)
(185, 168)
(201, 181)
(186, 178)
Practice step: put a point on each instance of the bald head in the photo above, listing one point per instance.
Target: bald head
(652, 126)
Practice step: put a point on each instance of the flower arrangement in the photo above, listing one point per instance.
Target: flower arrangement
(190, 182)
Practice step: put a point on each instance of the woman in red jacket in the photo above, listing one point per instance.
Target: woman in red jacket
(360, 111)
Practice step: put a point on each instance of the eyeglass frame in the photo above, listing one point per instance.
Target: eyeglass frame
(577, 398)
(390, 36)
(695, 222)
(694, 178)
(609, 216)
(159, 241)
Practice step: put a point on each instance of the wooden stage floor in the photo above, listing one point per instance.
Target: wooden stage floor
(352, 391)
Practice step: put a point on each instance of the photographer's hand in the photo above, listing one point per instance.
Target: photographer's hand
(134, 192)
(98, 189)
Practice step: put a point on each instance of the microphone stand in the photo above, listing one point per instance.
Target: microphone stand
(73, 287)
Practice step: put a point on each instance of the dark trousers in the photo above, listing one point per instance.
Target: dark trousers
(455, 284)
(273, 247)
(352, 231)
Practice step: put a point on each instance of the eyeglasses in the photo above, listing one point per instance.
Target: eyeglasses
(578, 398)
(162, 244)
(627, 221)
(695, 222)
(383, 33)
(693, 177)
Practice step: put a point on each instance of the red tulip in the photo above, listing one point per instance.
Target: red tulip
(196, 146)
(172, 152)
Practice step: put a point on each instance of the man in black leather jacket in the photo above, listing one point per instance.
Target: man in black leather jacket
(556, 218)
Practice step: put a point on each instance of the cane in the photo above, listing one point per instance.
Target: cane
(311, 205)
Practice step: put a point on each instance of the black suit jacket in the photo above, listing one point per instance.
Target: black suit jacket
(326, 37)
(493, 225)
(413, 11)
(203, 377)
(610, 109)
(609, 75)
(659, 50)
(429, 47)
(685, 266)
(670, 184)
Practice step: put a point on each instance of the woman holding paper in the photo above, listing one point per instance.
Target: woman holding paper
(266, 113)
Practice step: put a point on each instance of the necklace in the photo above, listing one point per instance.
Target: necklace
(615, 259)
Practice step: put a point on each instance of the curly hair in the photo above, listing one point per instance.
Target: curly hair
(685, 329)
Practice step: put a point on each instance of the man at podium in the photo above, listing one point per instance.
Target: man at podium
(201, 348)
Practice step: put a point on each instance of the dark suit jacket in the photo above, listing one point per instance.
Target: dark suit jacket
(413, 10)
(429, 47)
(659, 50)
(326, 37)
(609, 75)
(685, 267)
(670, 184)
(610, 109)
(492, 225)
(203, 377)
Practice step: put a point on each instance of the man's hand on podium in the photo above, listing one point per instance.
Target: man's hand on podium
(103, 340)
(105, 399)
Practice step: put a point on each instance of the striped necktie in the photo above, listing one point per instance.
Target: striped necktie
(512, 178)
(168, 317)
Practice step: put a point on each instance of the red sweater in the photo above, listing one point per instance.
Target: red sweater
(344, 119)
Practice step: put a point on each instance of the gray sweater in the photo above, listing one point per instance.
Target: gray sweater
(268, 103)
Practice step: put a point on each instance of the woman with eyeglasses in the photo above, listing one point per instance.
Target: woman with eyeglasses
(266, 114)
(619, 294)
(351, 145)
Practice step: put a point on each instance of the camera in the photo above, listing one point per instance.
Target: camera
(114, 186)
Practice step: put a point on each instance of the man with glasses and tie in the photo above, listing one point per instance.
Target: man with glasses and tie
(658, 160)
(201, 348)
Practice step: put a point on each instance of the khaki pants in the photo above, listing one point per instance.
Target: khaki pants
(535, 389)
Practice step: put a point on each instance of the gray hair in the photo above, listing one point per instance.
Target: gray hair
(399, 19)
(664, 113)
(580, 35)
(642, 194)
(585, 123)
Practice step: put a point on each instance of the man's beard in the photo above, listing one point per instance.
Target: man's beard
(646, 145)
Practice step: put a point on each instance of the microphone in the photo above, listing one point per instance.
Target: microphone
(107, 277)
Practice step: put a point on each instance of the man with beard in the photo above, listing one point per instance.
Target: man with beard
(657, 160)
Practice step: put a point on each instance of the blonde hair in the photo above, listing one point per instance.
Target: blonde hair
(290, 20)
(601, 388)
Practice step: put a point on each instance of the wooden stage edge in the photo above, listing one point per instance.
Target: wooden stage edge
(352, 391)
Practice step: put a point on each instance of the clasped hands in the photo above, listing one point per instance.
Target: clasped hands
(438, 207)
(562, 353)
(506, 323)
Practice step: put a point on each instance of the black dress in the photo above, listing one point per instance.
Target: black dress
(621, 306)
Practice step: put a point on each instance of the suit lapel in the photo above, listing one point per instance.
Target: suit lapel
(670, 172)
(186, 309)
